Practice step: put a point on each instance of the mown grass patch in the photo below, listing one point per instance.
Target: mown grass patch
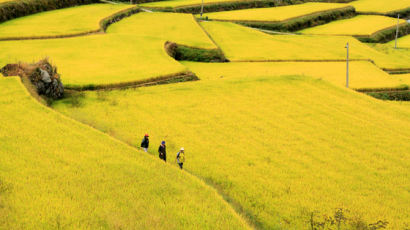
(363, 75)
(59, 173)
(366, 27)
(244, 44)
(69, 21)
(280, 148)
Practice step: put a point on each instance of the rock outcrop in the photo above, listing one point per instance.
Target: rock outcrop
(41, 74)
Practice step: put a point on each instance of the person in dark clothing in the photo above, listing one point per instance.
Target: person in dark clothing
(145, 143)
(162, 150)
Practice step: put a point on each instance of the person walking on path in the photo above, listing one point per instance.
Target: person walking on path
(145, 143)
(181, 157)
(162, 150)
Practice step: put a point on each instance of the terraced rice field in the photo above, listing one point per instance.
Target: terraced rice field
(362, 25)
(363, 75)
(180, 3)
(274, 14)
(389, 50)
(75, 20)
(281, 148)
(273, 139)
(405, 78)
(169, 27)
(240, 43)
(116, 57)
(380, 6)
(96, 60)
(57, 172)
(403, 42)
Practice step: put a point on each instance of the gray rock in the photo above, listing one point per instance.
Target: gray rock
(45, 76)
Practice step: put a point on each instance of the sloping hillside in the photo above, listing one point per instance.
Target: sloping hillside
(284, 149)
(56, 173)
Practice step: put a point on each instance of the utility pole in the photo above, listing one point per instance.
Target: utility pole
(397, 30)
(202, 8)
(347, 65)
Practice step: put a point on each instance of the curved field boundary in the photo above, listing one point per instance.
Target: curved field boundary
(236, 5)
(301, 22)
(388, 34)
(104, 23)
(381, 36)
(403, 13)
(166, 79)
(397, 71)
(19, 8)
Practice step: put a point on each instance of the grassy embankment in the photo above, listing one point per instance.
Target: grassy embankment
(59, 174)
(282, 149)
